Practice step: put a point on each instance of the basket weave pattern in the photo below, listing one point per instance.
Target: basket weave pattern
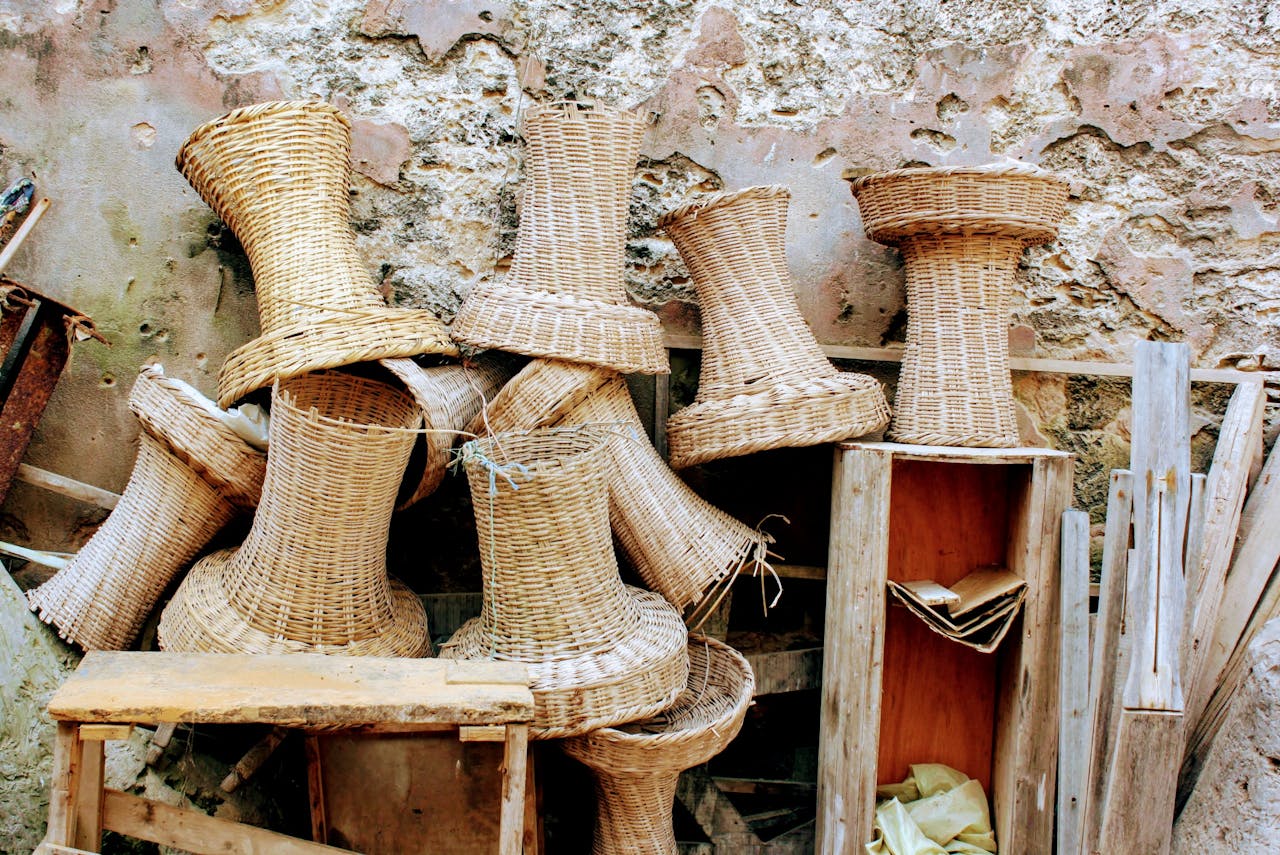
(961, 232)
(278, 174)
(637, 766)
(765, 383)
(682, 546)
(599, 652)
(190, 474)
(311, 575)
(565, 296)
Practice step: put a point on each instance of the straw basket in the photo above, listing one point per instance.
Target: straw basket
(961, 231)
(191, 475)
(683, 547)
(278, 174)
(599, 652)
(449, 396)
(637, 766)
(564, 297)
(765, 383)
(311, 577)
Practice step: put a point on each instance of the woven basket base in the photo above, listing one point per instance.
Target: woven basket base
(638, 677)
(557, 326)
(334, 341)
(827, 410)
(200, 619)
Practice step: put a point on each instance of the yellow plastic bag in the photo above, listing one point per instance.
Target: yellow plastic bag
(937, 810)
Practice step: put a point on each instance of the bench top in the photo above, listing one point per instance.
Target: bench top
(297, 690)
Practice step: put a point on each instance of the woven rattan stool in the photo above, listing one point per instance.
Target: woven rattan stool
(961, 231)
(311, 577)
(683, 547)
(449, 396)
(279, 174)
(765, 383)
(598, 651)
(564, 297)
(191, 475)
(637, 766)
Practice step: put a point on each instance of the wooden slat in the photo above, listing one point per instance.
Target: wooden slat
(956, 454)
(1239, 442)
(679, 341)
(103, 732)
(195, 832)
(1139, 818)
(69, 487)
(291, 690)
(854, 643)
(1110, 652)
(1255, 558)
(1073, 681)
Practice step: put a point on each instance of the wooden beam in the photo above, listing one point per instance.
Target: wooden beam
(1073, 680)
(1135, 822)
(679, 341)
(69, 487)
(187, 829)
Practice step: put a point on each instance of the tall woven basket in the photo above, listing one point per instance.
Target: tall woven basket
(765, 383)
(599, 652)
(564, 297)
(637, 765)
(449, 396)
(311, 577)
(683, 547)
(191, 476)
(961, 231)
(278, 174)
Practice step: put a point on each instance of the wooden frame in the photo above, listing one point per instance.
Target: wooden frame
(111, 691)
(1023, 755)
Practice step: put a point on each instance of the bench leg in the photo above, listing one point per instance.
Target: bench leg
(62, 790)
(515, 768)
(88, 799)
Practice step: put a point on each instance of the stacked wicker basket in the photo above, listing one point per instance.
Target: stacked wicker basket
(559, 469)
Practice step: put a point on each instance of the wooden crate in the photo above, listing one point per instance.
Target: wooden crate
(895, 693)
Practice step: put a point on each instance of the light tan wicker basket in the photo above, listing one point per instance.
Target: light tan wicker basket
(961, 231)
(449, 396)
(765, 383)
(638, 765)
(191, 474)
(278, 174)
(311, 577)
(564, 297)
(599, 652)
(683, 547)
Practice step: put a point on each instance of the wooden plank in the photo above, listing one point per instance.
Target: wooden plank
(800, 571)
(511, 825)
(1110, 651)
(779, 671)
(47, 848)
(858, 569)
(1073, 680)
(193, 831)
(1139, 818)
(1255, 558)
(1239, 441)
(956, 454)
(679, 341)
(291, 690)
(69, 487)
(88, 800)
(1024, 777)
(103, 732)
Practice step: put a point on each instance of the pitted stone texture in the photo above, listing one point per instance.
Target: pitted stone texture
(1235, 806)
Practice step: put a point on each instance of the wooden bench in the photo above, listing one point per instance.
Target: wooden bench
(112, 691)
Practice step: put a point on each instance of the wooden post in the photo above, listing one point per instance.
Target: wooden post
(88, 799)
(1073, 687)
(857, 571)
(515, 768)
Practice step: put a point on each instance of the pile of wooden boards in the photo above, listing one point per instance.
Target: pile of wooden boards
(1187, 582)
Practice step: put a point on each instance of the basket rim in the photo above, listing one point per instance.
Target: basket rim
(720, 199)
(280, 397)
(992, 170)
(250, 113)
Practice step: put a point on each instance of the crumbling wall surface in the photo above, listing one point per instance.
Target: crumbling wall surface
(1236, 803)
(1163, 115)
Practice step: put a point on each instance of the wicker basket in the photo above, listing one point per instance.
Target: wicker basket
(682, 547)
(192, 473)
(637, 766)
(765, 383)
(311, 577)
(564, 297)
(449, 396)
(598, 651)
(961, 231)
(278, 174)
